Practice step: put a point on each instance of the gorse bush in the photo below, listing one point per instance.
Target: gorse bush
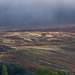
(47, 71)
(4, 70)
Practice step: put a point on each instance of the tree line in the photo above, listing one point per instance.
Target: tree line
(17, 69)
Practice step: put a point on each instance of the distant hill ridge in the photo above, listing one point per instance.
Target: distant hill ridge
(62, 28)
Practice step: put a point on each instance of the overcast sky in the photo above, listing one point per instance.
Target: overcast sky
(19, 13)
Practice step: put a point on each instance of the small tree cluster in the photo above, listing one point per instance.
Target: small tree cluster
(47, 71)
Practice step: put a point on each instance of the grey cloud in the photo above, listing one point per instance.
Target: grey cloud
(17, 13)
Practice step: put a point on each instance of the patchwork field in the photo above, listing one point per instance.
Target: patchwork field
(53, 49)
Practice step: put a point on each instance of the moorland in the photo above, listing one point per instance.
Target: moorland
(50, 46)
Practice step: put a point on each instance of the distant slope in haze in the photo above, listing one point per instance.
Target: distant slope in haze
(61, 28)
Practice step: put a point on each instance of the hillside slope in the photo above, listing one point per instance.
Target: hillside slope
(33, 48)
(62, 28)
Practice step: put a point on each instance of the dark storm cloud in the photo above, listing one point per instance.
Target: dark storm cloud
(17, 13)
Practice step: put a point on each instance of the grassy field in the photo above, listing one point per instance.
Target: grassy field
(53, 49)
